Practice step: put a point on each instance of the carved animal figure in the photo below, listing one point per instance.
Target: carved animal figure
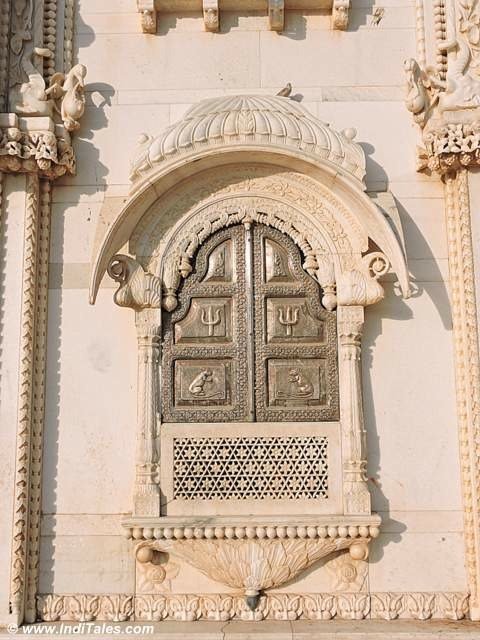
(416, 99)
(70, 91)
(300, 386)
(197, 386)
(462, 90)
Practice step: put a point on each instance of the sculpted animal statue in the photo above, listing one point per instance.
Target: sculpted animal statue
(69, 90)
(65, 94)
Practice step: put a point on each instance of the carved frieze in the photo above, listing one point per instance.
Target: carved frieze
(155, 607)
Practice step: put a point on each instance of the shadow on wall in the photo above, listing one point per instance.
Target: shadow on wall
(95, 118)
(395, 308)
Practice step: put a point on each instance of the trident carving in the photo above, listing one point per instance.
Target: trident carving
(210, 317)
(288, 317)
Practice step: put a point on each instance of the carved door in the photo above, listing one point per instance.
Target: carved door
(249, 340)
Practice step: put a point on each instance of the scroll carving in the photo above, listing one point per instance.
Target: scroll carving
(340, 12)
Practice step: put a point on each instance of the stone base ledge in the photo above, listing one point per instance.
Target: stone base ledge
(269, 630)
(273, 605)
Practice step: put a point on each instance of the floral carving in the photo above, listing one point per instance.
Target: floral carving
(347, 574)
(250, 565)
(36, 151)
(276, 606)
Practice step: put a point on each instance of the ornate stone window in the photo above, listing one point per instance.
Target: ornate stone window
(254, 251)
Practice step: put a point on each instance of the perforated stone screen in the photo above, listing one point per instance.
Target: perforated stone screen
(273, 468)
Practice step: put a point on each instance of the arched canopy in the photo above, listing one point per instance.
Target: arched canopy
(244, 131)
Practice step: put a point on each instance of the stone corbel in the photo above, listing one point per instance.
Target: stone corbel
(360, 286)
(254, 557)
(148, 15)
(211, 15)
(340, 10)
(138, 289)
(276, 14)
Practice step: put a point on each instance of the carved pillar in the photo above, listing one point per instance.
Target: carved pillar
(19, 559)
(142, 292)
(146, 499)
(350, 327)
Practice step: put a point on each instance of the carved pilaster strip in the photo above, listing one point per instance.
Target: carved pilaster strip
(350, 328)
(467, 368)
(146, 499)
(38, 403)
(49, 36)
(24, 419)
(68, 35)
(440, 27)
(4, 52)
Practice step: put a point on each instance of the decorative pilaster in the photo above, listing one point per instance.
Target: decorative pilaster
(142, 291)
(38, 401)
(350, 327)
(146, 499)
(19, 560)
(467, 368)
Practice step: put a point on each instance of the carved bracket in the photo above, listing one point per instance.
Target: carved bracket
(138, 289)
(148, 10)
(253, 558)
(340, 11)
(211, 16)
(276, 14)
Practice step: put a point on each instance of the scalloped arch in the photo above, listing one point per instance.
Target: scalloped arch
(120, 217)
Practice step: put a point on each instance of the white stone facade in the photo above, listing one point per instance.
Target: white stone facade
(136, 138)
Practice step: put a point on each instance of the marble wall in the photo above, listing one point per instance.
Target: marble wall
(140, 83)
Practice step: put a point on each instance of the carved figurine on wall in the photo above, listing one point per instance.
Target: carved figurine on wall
(64, 96)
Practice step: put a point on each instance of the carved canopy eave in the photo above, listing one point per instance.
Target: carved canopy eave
(121, 216)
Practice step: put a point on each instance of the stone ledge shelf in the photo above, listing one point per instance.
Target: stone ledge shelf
(248, 554)
(275, 9)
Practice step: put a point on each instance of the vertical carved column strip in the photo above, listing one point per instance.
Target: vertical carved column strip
(68, 35)
(146, 501)
(467, 368)
(356, 494)
(24, 419)
(50, 36)
(4, 52)
(420, 32)
(38, 401)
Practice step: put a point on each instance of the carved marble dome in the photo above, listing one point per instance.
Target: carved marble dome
(251, 120)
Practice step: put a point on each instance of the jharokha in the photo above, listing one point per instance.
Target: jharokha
(239, 332)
